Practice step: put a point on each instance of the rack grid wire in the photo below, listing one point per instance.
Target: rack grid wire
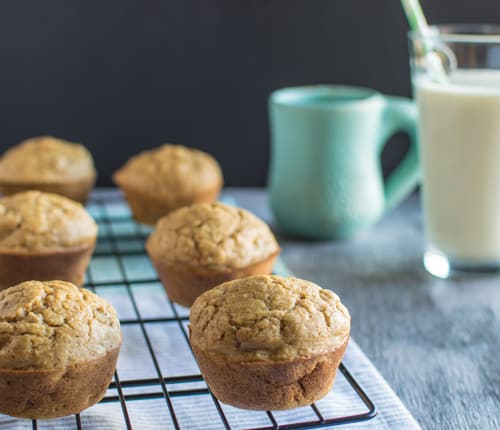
(161, 383)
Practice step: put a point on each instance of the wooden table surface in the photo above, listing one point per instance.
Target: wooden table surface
(436, 342)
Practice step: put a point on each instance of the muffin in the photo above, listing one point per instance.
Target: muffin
(58, 349)
(269, 342)
(48, 164)
(44, 236)
(158, 181)
(198, 247)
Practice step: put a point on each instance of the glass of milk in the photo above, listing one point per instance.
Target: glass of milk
(456, 82)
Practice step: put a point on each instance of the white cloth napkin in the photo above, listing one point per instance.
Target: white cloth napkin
(174, 357)
(199, 412)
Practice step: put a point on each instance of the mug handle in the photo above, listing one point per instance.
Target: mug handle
(400, 114)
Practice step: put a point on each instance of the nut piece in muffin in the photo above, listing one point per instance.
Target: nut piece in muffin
(200, 246)
(48, 164)
(160, 180)
(58, 349)
(44, 236)
(269, 342)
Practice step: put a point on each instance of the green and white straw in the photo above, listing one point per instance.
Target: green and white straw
(415, 16)
(418, 24)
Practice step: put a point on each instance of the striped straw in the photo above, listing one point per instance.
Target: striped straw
(418, 24)
(415, 16)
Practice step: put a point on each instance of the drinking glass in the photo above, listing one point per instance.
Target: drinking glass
(456, 82)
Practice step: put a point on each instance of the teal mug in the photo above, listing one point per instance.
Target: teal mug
(325, 177)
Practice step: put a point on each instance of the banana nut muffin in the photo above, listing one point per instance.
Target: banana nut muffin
(58, 349)
(44, 236)
(269, 342)
(48, 164)
(200, 246)
(160, 180)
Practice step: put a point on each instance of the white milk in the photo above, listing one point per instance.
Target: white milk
(460, 148)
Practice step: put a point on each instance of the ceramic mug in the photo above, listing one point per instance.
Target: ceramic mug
(325, 176)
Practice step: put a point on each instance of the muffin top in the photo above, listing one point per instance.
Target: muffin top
(171, 170)
(53, 325)
(211, 237)
(263, 318)
(33, 221)
(46, 160)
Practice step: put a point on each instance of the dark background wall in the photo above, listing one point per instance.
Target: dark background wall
(123, 75)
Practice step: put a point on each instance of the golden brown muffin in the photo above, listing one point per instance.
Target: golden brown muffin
(200, 246)
(269, 342)
(158, 181)
(48, 164)
(44, 236)
(58, 349)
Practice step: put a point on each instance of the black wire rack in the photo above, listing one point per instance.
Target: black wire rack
(169, 396)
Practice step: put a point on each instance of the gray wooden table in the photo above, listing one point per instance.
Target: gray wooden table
(436, 342)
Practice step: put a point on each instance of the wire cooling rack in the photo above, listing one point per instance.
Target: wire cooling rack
(157, 384)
